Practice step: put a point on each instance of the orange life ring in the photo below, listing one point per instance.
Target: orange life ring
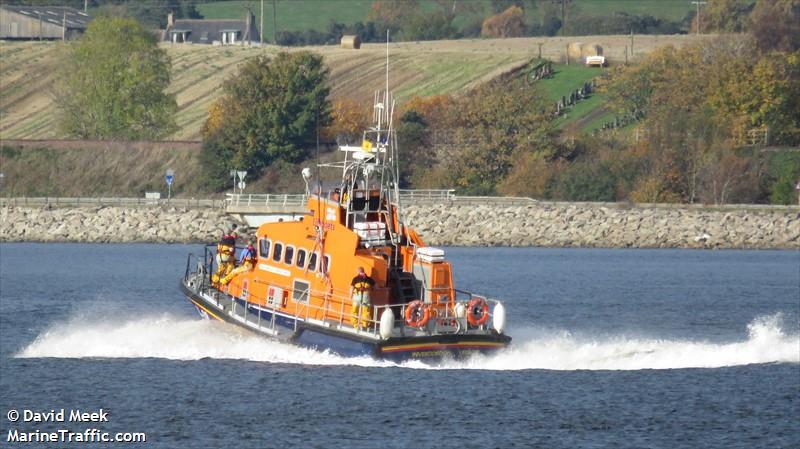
(477, 311)
(417, 315)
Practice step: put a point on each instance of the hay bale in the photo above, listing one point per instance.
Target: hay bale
(591, 50)
(351, 42)
(574, 51)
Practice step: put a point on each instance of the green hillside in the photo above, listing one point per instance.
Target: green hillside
(297, 15)
(663, 9)
(302, 15)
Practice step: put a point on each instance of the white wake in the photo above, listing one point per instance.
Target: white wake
(175, 338)
(766, 342)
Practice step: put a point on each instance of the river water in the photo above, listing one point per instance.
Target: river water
(612, 348)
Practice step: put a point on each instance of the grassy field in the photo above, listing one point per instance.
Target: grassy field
(567, 78)
(664, 9)
(296, 15)
(112, 169)
(417, 68)
(301, 15)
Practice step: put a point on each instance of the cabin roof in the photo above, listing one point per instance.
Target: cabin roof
(56, 15)
(207, 31)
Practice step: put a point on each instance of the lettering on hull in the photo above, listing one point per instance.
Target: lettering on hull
(276, 270)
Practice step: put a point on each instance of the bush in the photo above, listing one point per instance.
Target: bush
(270, 111)
(783, 172)
(584, 181)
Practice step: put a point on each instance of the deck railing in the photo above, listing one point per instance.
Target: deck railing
(335, 308)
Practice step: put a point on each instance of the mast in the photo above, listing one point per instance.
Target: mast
(370, 169)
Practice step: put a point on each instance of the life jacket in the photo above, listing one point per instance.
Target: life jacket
(362, 285)
(225, 246)
(228, 240)
(249, 255)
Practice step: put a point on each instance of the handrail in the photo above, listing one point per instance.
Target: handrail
(266, 199)
(433, 194)
(110, 202)
(408, 197)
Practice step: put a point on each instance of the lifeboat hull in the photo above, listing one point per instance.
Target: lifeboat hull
(215, 305)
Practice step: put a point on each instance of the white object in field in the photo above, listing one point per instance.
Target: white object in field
(499, 317)
(702, 237)
(599, 61)
(430, 254)
(306, 173)
(387, 323)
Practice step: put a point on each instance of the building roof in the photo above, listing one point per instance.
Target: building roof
(54, 14)
(207, 31)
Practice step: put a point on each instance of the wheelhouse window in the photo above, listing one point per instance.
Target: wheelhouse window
(300, 291)
(326, 264)
(263, 248)
(276, 251)
(301, 258)
(312, 262)
(288, 255)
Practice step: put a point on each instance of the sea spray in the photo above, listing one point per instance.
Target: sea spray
(175, 338)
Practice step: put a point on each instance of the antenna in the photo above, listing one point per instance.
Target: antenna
(387, 60)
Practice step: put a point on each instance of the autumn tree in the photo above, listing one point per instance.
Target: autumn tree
(391, 14)
(727, 16)
(348, 120)
(508, 23)
(696, 118)
(775, 24)
(487, 131)
(270, 111)
(112, 84)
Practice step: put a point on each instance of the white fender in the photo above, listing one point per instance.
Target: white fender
(460, 310)
(387, 323)
(499, 317)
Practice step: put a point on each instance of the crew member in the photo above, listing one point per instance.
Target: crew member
(225, 257)
(360, 288)
(247, 261)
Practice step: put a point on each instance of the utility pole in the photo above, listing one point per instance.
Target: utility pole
(697, 3)
(64, 26)
(85, 5)
(631, 43)
(563, 17)
(274, 22)
(261, 25)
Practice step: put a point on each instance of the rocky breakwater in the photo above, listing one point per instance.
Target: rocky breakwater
(112, 224)
(609, 226)
(535, 224)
